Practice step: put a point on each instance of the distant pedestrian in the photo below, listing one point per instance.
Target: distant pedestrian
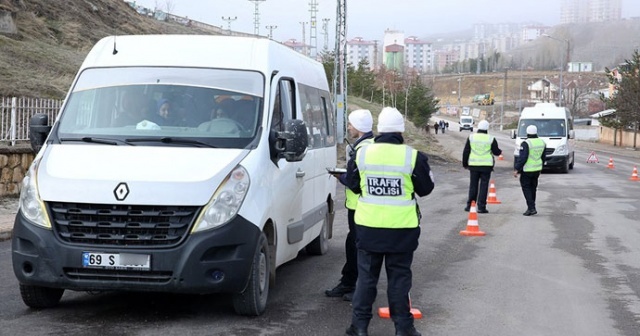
(529, 165)
(442, 126)
(477, 157)
(446, 125)
(436, 126)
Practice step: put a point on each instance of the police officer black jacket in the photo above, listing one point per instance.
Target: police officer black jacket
(392, 240)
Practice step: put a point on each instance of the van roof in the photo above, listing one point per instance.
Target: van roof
(545, 110)
(207, 51)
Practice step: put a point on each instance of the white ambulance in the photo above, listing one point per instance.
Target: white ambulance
(179, 164)
(555, 127)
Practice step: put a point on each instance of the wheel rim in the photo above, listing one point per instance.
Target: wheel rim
(262, 270)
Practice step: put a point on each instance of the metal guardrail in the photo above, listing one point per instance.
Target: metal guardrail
(15, 114)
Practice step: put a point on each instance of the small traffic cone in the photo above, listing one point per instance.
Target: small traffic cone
(610, 165)
(500, 157)
(384, 312)
(492, 198)
(634, 174)
(472, 224)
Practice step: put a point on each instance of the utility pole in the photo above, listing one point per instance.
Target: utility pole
(256, 16)
(325, 31)
(340, 76)
(504, 97)
(521, 75)
(271, 28)
(313, 29)
(304, 39)
(229, 20)
(459, 88)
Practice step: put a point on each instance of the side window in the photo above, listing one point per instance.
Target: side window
(329, 119)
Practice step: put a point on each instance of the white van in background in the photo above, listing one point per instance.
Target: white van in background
(555, 127)
(466, 123)
(179, 163)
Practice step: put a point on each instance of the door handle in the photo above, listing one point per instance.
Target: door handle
(300, 173)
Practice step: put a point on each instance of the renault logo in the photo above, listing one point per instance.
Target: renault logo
(121, 191)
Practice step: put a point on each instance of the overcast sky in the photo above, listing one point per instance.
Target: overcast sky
(369, 18)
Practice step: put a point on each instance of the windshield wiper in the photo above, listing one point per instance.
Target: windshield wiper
(105, 141)
(172, 140)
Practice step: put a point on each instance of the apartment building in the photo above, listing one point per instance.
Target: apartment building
(359, 49)
(580, 11)
(418, 54)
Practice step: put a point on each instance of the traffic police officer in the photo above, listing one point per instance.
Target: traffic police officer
(477, 157)
(529, 165)
(359, 127)
(388, 175)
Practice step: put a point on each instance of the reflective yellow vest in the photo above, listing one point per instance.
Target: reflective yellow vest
(480, 150)
(351, 199)
(534, 161)
(387, 190)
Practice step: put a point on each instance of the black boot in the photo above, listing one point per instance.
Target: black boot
(339, 290)
(353, 331)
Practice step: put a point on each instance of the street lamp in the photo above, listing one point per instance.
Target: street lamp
(562, 60)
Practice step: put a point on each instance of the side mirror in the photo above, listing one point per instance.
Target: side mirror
(572, 134)
(292, 143)
(38, 131)
(513, 134)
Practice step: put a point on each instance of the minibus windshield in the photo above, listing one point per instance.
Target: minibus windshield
(222, 108)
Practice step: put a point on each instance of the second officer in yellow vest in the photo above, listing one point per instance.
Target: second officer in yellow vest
(529, 166)
(360, 128)
(388, 175)
(477, 156)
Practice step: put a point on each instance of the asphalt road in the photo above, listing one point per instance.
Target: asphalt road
(573, 269)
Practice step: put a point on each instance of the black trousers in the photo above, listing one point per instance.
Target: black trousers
(529, 185)
(350, 268)
(478, 194)
(398, 268)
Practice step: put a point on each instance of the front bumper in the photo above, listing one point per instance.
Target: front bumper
(41, 259)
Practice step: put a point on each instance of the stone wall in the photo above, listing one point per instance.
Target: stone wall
(14, 163)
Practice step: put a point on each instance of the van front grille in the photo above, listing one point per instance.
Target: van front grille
(549, 151)
(121, 225)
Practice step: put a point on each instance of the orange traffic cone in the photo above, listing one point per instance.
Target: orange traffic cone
(500, 157)
(492, 198)
(384, 312)
(472, 224)
(610, 165)
(634, 174)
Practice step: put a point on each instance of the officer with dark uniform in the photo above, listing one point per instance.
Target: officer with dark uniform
(529, 165)
(360, 128)
(477, 157)
(388, 175)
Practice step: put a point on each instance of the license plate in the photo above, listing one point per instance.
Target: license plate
(116, 260)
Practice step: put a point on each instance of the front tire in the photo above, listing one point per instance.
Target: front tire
(320, 245)
(253, 300)
(38, 297)
(573, 160)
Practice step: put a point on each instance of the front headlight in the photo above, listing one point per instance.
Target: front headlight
(30, 203)
(226, 201)
(561, 150)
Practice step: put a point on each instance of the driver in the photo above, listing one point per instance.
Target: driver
(221, 120)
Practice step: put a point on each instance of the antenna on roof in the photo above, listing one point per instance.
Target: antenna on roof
(115, 51)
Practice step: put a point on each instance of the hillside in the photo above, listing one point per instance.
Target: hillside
(55, 35)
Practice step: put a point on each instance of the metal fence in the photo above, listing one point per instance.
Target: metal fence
(16, 112)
